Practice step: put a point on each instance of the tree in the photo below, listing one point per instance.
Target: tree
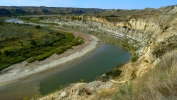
(7, 52)
(38, 26)
(33, 43)
(1, 21)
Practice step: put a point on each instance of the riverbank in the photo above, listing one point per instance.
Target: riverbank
(23, 70)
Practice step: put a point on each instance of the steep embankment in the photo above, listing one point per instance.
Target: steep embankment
(157, 35)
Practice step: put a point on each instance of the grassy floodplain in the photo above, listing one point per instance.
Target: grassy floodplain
(19, 42)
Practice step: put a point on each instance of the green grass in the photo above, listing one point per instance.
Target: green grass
(22, 42)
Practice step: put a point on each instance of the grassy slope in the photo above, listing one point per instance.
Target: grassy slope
(20, 42)
(159, 83)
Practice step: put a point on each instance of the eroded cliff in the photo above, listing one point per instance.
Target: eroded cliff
(156, 33)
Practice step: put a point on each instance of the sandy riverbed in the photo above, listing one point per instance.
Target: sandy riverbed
(23, 70)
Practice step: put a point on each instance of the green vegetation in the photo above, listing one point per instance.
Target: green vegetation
(114, 73)
(31, 19)
(82, 81)
(31, 60)
(131, 47)
(47, 11)
(1, 22)
(36, 20)
(134, 57)
(26, 98)
(20, 42)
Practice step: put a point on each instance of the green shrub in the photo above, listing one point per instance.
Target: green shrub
(146, 61)
(44, 56)
(77, 41)
(33, 43)
(109, 73)
(37, 26)
(115, 73)
(26, 98)
(134, 58)
(8, 52)
(59, 51)
(82, 80)
(31, 60)
(41, 17)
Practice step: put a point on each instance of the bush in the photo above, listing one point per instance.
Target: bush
(41, 17)
(115, 73)
(77, 41)
(109, 73)
(84, 91)
(158, 52)
(31, 60)
(59, 51)
(82, 80)
(134, 58)
(7, 52)
(38, 26)
(63, 49)
(44, 56)
(33, 43)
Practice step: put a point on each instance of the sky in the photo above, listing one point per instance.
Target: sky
(103, 4)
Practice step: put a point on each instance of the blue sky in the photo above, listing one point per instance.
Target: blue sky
(105, 4)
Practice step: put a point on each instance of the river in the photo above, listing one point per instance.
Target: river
(106, 58)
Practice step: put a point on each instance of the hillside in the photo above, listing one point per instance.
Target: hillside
(150, 36)
(33, 10)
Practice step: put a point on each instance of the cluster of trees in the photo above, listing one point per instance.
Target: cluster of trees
(1, 21)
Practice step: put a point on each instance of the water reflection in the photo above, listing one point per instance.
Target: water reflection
(16, 20)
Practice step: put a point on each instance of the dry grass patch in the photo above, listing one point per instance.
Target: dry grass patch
(159, 83)
(106, 93)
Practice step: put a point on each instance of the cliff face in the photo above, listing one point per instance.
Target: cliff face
(139, 29)
(156, 33)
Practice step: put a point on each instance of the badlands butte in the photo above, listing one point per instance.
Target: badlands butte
(149, 35)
